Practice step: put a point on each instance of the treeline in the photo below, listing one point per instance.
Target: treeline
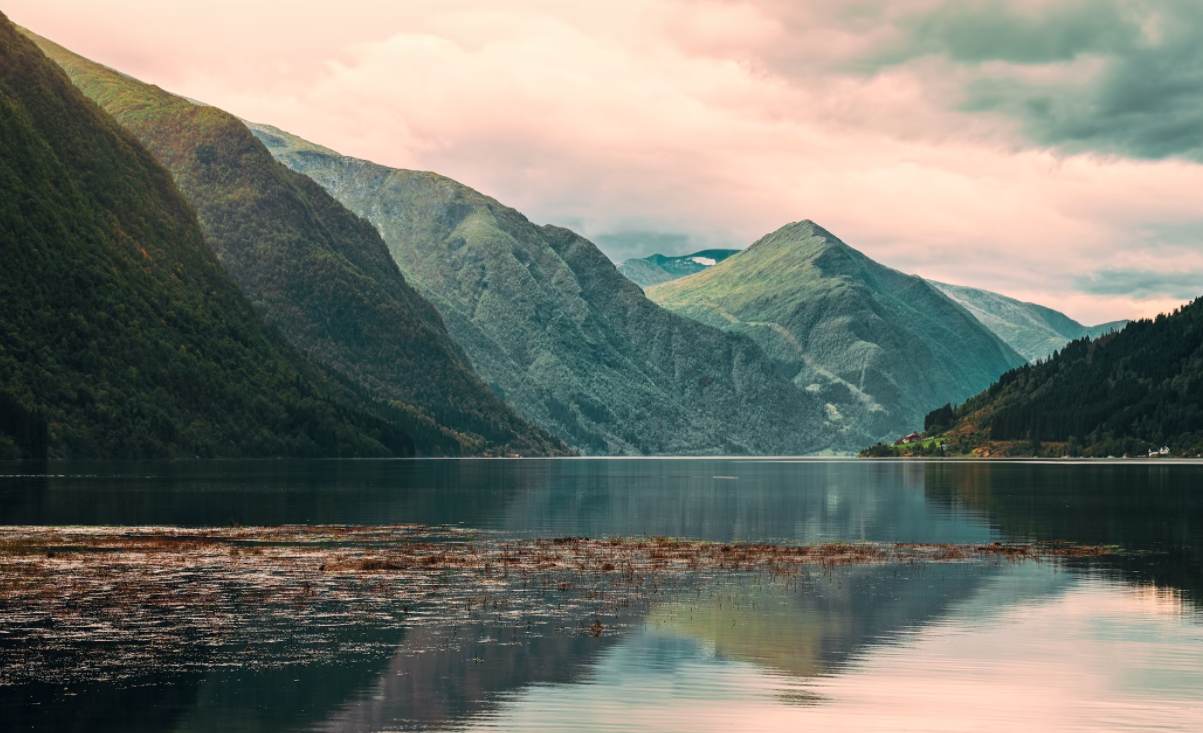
(1125, 393)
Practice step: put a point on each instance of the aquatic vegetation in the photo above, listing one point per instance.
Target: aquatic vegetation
(99, 603)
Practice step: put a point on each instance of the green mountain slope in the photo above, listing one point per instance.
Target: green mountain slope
(644, 273)
(881, 347)
(1033, 330)
(120, 334)
(316, 271)
(1125, 392)
(648, 271)
(553, 327)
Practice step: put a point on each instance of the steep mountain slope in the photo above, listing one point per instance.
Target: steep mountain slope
(551, 324)
(658, 268)
(1033, 330)
(883, 347)
(120, 334)
(644, 273)
(315, 270)
(1123, 393)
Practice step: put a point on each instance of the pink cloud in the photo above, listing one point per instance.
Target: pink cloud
(718, 120)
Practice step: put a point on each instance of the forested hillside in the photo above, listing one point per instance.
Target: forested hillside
(880, 347)
(553, 327)
(121, 335)
(1123, 393)
(319, 273)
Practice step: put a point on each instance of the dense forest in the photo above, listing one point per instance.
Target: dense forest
(121, 335)
(1129, 392)
(319, 273)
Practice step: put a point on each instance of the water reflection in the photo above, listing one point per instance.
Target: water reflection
(1110, 644)
(1028, 649)
(1153, 511)
(721, 500)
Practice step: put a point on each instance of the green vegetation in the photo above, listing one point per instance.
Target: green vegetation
(879, 347)
(928, 448)
(313, 269)
(120, 334)
(1125, 393)
(554, 329)
(644, 273)
(1032, 330)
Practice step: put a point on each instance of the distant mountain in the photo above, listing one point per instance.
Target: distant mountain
(881, 348)
(1033, 330)
(648, 271)
(554, 328)
(1125, 392)
(316, 271)
(121, 336)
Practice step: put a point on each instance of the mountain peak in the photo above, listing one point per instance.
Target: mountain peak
(798, 231)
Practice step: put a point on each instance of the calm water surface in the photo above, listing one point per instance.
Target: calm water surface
(1111, 644)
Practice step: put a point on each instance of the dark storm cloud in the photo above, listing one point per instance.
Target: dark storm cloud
(976, 32)
(1144, 101)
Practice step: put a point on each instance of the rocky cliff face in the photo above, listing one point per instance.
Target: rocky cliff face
(558, 332)
(881, 348)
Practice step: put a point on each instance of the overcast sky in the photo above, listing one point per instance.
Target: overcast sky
(1051, 150)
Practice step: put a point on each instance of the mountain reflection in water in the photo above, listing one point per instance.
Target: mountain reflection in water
(1112, 643)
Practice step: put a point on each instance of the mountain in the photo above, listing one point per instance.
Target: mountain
(649, 271)
(120, 333)
(1033, 330)
(313, 269)
(1123, 393)
(554, 328)
(643, 273)
(881, 347)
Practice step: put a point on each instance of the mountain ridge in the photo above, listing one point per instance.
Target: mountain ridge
(555, 329)
(876, 343)
(121, 334)
(1034, 330)
(657, 268)
(316, 271)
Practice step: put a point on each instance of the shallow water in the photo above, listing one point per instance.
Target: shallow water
(1112, 643)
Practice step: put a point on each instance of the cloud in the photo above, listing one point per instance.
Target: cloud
(1008, 145)
(1143, 284)
(1118, 78)
(979, 32)
(624, 245)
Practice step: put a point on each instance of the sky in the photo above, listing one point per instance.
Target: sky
(1050, 150)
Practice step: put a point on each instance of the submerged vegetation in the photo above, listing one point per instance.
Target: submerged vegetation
(165, 591)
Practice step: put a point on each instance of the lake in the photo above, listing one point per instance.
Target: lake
(1102, 643)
